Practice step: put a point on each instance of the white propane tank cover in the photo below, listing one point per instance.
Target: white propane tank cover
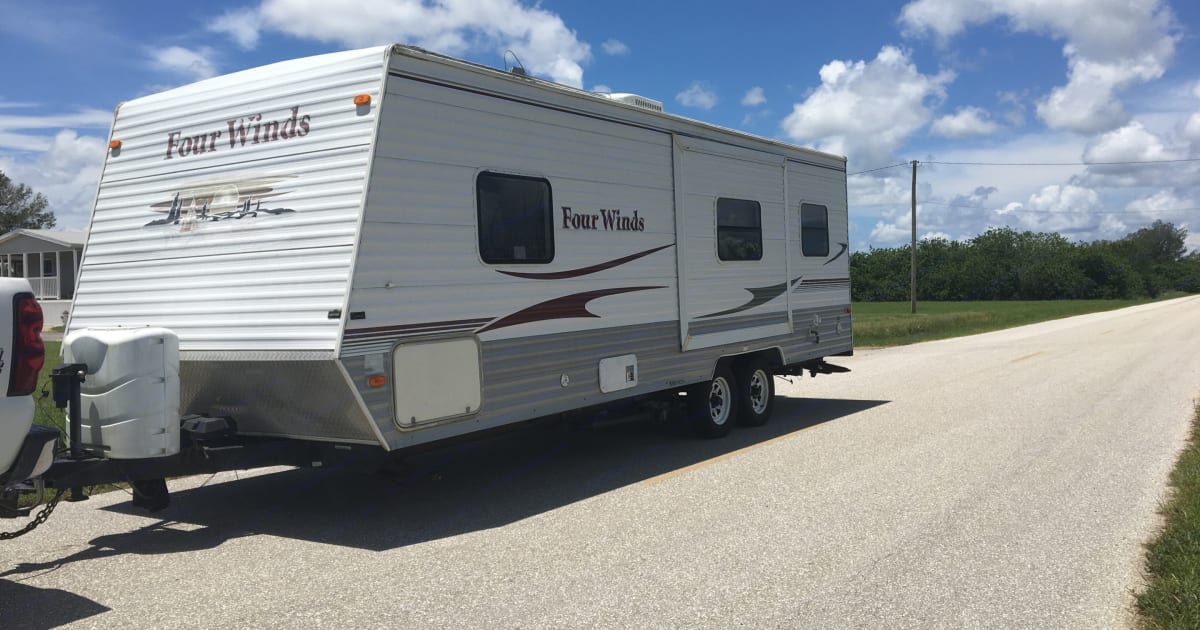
(130, 397)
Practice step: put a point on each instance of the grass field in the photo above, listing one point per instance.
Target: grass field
(891, 323)
(1172, 597)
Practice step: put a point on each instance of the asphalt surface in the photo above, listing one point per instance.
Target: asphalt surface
(1005, 480)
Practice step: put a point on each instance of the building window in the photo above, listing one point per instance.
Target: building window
(814, 229)
(515, 222)
(739, 229)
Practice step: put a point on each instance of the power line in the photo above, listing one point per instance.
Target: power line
(1126, 163)
(1031, 210)
(881, 168)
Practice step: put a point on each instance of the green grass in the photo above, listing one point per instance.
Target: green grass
(46, 413)
(891, 323)
(1172, 597)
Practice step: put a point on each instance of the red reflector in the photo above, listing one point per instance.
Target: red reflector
(29, 353)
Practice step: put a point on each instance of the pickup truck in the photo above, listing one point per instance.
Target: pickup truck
(26, 451)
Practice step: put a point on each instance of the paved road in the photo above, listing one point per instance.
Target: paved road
(1004, 480)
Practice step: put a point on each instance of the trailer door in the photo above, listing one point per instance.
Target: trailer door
(818, 240)
(731, 231)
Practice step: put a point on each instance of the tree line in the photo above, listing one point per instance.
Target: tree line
(21, 207)
(1004, 264)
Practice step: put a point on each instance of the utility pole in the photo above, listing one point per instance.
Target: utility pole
(913, 271)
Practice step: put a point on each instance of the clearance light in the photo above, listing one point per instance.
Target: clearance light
(362, 99)
(377, 380)
(115, 145)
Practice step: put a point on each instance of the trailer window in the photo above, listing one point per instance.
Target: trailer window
(739, 229)
(515, 223)
(814, 229)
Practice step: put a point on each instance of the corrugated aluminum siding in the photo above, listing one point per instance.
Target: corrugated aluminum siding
(173, 242)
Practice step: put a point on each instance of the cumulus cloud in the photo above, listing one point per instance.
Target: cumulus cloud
(754, 97)
(454, 27)
(1058, 208)
(1110, 45)
(66, 173)
(967, 121)
(1130, 143)
(867, 109)
(191, 64)
(241, 25)
(1124, 158)
(614, 47)
(1166, 205)
(698, 95)
(600, 88)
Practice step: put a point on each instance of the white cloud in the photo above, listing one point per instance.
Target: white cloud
(1088, 102)
(14, 128)
(66, 173)
(241, 25)
(1058, 208)
(875, 190)
(1167, 206)
(1110, 45)
(600, 88)
(1130, 143)
(967, 121)
(1135, 143)
(454, 27)
(754, 97)
(615, 47)
(192, 64)
(1191, 129)
(867, 109)
(699, 95)
(1015, 114)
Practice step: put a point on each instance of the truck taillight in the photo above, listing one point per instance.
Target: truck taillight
(29, 353)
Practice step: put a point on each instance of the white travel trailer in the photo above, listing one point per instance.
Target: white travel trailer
(391, 247)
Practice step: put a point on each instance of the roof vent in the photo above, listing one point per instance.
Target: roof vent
(636, 101)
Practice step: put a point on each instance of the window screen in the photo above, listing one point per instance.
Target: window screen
(515, 223)
(739, 229)
(814, 229)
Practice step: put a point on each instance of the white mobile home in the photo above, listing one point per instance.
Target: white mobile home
(388, 246)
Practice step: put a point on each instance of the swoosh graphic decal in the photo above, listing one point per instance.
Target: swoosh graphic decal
(566, 307)
(839, 254)
(762, 295)
(582, 271)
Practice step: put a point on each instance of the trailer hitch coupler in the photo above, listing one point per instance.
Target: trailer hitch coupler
(67, 381)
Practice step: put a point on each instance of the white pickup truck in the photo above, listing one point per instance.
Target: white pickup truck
(26, 451)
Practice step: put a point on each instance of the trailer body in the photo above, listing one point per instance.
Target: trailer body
(391, 247)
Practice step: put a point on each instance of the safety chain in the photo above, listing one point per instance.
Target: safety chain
(37, 520)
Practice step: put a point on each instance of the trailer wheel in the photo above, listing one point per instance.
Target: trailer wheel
(713, 405)
(755, 393)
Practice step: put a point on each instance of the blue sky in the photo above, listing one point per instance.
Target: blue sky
(997, 81)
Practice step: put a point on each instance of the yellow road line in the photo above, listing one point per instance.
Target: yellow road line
(719, 458)
(1028, 356)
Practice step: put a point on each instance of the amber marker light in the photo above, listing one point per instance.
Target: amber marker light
(362, 99)
(377, 380)
(115, 145)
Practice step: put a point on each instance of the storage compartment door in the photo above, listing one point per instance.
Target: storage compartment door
(436, 380)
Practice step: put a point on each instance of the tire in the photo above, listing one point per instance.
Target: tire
(755, 392)
(713, 405)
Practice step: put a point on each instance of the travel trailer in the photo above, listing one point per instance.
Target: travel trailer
(388, 247)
